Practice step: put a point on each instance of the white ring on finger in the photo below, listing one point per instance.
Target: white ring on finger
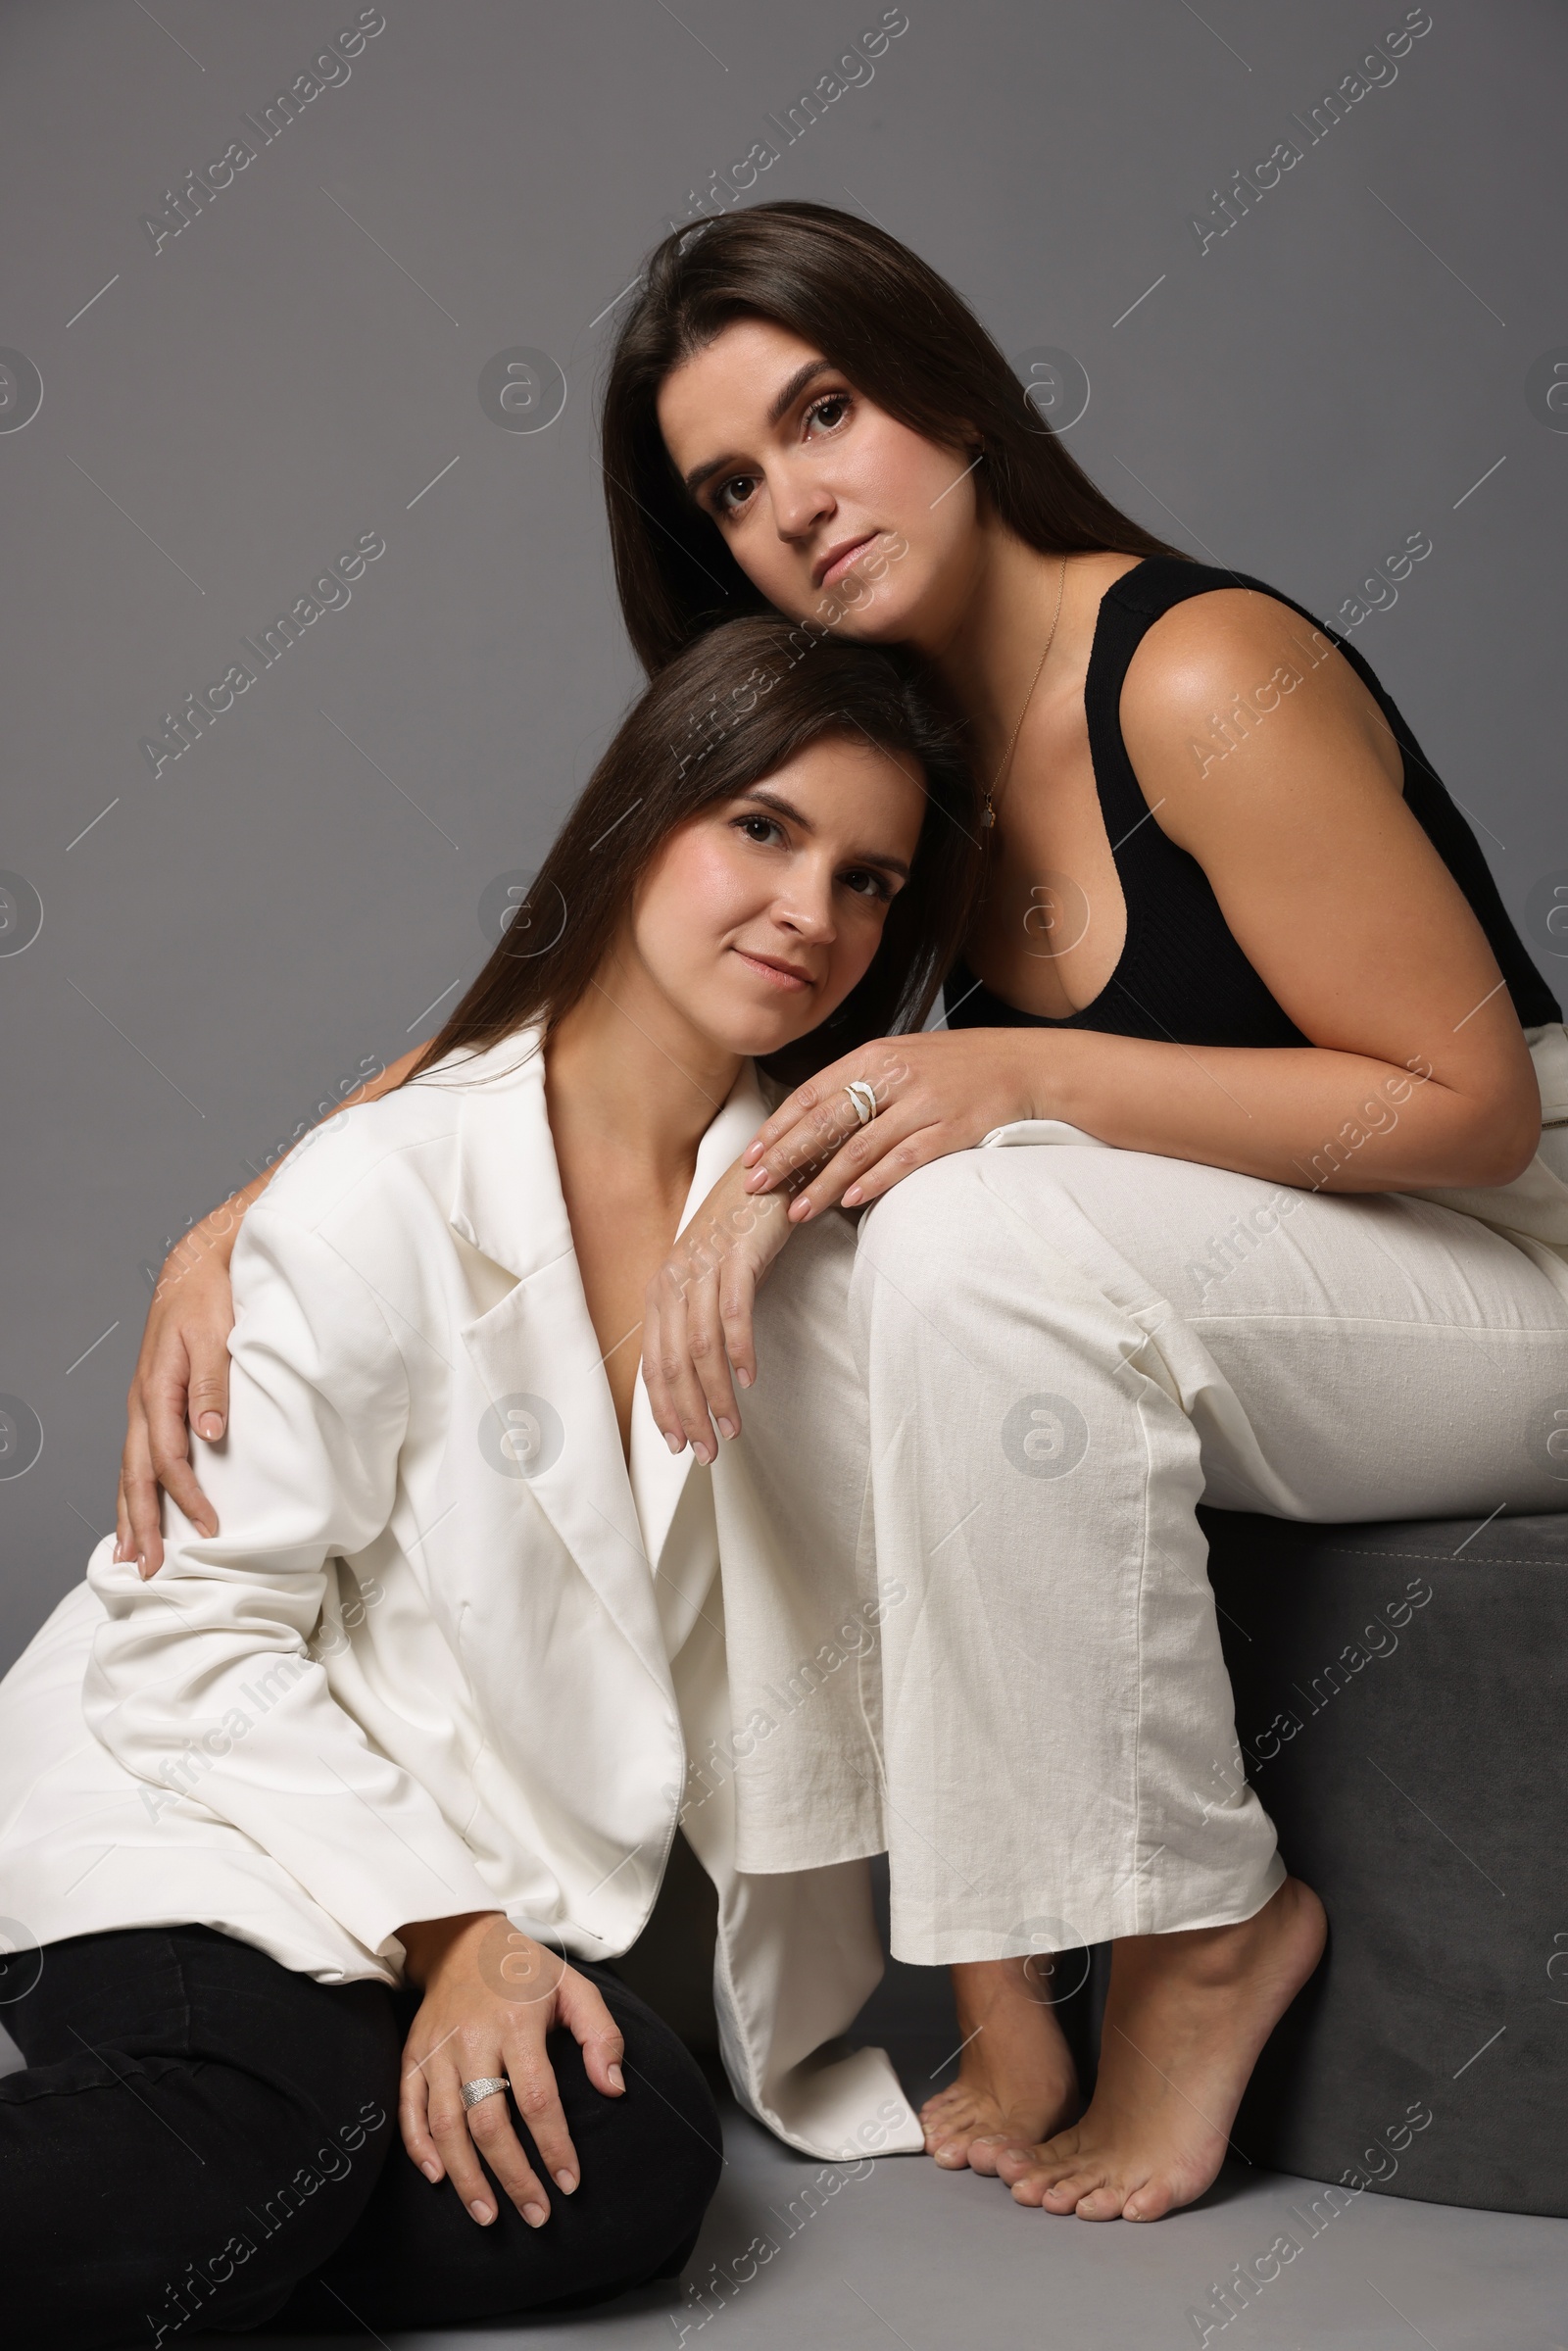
(485, 2086)
(863, 1097)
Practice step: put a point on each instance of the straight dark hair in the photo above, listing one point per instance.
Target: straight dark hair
(734, 708)
(900, 334)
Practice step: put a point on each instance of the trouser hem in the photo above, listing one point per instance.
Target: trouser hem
(1165, 1910)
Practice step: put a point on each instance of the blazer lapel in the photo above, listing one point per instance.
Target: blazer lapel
(551, 1419)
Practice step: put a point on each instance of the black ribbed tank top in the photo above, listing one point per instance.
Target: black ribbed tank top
(1181, 976)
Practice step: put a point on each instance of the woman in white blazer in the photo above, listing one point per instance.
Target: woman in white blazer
(338, 1814)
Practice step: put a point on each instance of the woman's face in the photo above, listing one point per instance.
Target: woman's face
(832, 508)
(759, 914)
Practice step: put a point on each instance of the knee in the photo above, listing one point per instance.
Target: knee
(931, 1242)
(915, 1224)
(661, 2138)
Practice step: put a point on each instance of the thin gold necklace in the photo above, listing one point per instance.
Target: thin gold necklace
(987, 816)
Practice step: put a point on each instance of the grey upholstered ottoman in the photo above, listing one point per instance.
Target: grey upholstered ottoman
(1402, 1697)
(1402, 1700)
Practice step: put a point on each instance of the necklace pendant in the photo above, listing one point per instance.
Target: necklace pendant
(988, 816)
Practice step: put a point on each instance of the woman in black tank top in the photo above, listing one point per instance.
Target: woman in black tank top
(1180, 975)
(1219, 1179)
(1233, 929)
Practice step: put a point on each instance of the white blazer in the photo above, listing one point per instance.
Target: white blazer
(425, 1666)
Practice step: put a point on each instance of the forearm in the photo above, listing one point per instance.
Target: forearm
(732, 1214)
(698, 1342)
(1307, 1116)
(211, 1238)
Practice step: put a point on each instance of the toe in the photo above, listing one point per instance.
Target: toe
(1104, 2203)
(985, 2154)
(1049, 2160)
(1027, 2172)
(944, 2117)
(1066, 2193)
(951, 2154)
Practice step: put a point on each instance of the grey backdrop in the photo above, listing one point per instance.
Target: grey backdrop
(1366, 355)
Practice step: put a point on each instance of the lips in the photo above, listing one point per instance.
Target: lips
(841, 558)
(788, 976)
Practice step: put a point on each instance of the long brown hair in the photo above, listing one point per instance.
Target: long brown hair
(902, 335)
(733, 708)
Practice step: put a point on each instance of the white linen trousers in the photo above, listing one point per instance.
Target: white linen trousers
(996, 1406)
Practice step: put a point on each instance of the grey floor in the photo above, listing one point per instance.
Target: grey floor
(902, 2253)
(897, 2252)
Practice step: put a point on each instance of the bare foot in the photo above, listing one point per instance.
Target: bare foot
(1184, 2024)
(1017, 2080)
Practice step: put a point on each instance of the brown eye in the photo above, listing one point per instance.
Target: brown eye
(829, 411)
(768, 831)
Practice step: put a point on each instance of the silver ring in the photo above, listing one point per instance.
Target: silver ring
(485, 2087)
(863, 1097)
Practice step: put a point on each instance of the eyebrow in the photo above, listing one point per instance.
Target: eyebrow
(779, 408)
(786, 808)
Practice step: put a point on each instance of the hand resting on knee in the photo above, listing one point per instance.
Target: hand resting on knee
(491, 1996)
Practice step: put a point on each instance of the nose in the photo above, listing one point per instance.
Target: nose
(801, 501)
(807, 910)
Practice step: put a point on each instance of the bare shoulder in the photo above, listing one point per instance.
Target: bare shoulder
(1220, 647)
(1236, 671)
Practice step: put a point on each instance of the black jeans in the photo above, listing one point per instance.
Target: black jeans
(204, 2139)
